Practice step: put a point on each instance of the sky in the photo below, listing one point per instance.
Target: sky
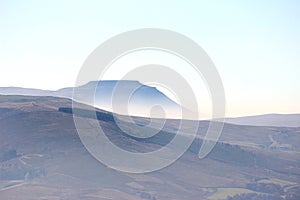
(255, 45)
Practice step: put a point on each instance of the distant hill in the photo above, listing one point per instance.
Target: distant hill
(278, 120)
(140, 103)
(142, 100)
(25, 91)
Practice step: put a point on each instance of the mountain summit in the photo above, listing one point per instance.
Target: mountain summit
(145, 101)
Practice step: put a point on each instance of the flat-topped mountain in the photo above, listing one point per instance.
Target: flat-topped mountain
(139, 103)
(142, 101)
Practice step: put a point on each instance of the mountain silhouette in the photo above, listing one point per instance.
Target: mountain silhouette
(146, 101)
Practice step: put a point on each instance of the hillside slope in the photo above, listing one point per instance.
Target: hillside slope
(42, 157)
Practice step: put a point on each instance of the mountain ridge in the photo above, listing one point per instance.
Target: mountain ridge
(144, 99)
(272, 119)
(139, 104)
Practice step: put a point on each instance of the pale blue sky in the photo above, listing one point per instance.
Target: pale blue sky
(254, 44)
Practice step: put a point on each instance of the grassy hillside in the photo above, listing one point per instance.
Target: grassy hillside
(42, 157)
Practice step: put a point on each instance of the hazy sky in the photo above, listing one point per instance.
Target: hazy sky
(254, 44)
